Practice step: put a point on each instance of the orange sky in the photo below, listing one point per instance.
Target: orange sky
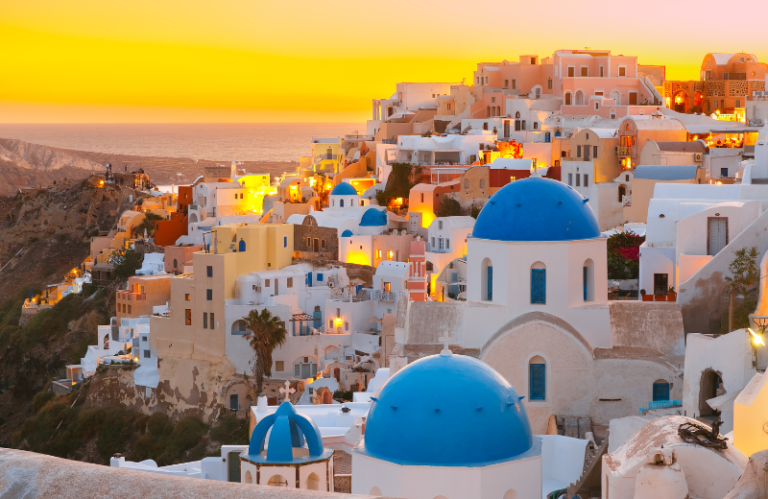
(268, 60)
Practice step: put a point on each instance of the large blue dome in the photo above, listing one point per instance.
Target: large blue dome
(373, 217)
(344, 189)
(449, 410)
(536, 209)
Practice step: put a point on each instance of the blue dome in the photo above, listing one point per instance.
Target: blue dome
(373, 217)
(447, 411)
(347, 233)
(536, 209)
(344, 189)
(289, 431)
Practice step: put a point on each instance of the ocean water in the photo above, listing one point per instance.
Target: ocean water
(212, 141)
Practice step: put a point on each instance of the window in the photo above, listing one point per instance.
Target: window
(290, 282)
(447, 244)
(175, 263)
(738, 102)
(285, 241)
(549, 84)
(209, 294)
(188, 317)
(571, 71)
(535, 125)
(584, 71)
(506, 83)
(539, 283)
(482, 186)
(537, 379)
(440, 224)
(238, 328)
(209, 271)
(660, 282)
(578, 151)
(266, 283)
(279, 366)
(570, 179)
(319, 277)
(586, 180)
(493, 100)
(660, 390)
(466, 183)
(422, 197)
(622, 71)
(146, 354)
(594, 151)
(588, 272)
(378, 252)
(346, 326)
(205, 320)
(143, 338)
(601, 71)
(129, 309)
(211, 320)
(187, 297)
(486, 276)
(514, 84)
(578, 180)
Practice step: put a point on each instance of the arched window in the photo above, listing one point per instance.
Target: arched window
(537, 379)
(517, 115)
(588, 280)
(466, 183)
(352, 202)
(579, 98)
(482, 183)
(375, 492)
(510, 494)
(341, 203)
(248, 477)
(622, 192)
(539, 283)
(193, 218)
(486, 280)
(616, 96)
(241, 246)
(313, 482)
(238, 328)
(488, 111)
(277, 481)
(567, 98)
(660, 390)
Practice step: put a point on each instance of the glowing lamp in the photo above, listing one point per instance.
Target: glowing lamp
(756, 338)
(135, 359)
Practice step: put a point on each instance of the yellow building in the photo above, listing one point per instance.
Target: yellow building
(750, 416)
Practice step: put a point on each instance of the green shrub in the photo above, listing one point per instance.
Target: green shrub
(230, 430)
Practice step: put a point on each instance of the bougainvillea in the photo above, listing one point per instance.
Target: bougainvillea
(624, 255)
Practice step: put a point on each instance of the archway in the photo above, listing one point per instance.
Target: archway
(710, 386)
(622, 192)
(277, 481)
(579, 98)
(375, 492)
(486, 280)
(510, 494)
(660, 390)
(313, 482)
(680, 101)
(616, 96)
(193, 218)
(238, 328)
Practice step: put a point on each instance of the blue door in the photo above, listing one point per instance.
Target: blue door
(537, 381)
(309, 280)
(660, 391)
(241, 246)
(490, 283)
(539, 286)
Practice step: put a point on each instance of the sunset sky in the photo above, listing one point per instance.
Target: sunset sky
(268, 60)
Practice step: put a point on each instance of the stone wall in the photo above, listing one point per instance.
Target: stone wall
(311, 230)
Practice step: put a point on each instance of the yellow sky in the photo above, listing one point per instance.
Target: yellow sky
(269, 60)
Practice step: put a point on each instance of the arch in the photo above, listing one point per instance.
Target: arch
(486, 280)
(588, 280)
(375, 491)
(241, 246)
(193, 218)
(579, 98)
(622, 192)
(517, 115)
(248, 477)
(616, 96)
(661, 390)
(710, 386)
(680, 101)
(510, 494)
(313, 481)
(277, 481)
(238, 328)
(539, 283)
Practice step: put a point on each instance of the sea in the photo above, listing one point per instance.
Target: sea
(211, 141)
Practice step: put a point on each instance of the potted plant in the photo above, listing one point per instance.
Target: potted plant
(671, 294)
(645, 296)
(660, 295)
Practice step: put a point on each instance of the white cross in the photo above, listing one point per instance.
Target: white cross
(287, 391)
(445, 340)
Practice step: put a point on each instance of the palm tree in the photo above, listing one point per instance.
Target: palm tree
(265, 333)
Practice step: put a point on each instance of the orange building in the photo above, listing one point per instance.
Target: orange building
(143, 293)
(167, 232)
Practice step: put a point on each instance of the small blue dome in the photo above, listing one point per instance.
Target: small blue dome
(447, 411)
(344, 189)
(373, 217)
(536, 209)
(347, 233)
(290, 431)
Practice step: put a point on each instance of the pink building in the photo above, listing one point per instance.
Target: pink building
(417, 272)
(494, 82)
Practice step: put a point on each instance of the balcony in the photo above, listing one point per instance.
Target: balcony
(623, 151)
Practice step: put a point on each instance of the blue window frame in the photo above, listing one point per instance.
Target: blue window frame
(660, 391)
(319, 277)
(309, 280)
(539, 286)
(490, 283)
(537, 382)
(241, 246)
(209, 294)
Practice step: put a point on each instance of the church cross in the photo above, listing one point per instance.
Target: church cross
(446, 339)
(287, 391)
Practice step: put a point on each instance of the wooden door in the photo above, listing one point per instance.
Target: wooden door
(717, 232)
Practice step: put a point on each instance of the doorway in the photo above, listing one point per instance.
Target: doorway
(717, 234)
(234, 402)
(233, 467)
(711, 386)
(660, 284)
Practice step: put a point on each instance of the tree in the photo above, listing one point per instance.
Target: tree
(126, 262)
(624, 255)
(148, 224)
(265, 333)
(449, 207)
(745, 276)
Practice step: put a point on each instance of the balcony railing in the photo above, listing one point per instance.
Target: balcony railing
(624, 151)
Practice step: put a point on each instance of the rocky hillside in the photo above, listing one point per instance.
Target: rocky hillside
(25, 165)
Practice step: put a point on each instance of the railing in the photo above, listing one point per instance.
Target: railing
(623, 150)
(661, 404)
(127, 295)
